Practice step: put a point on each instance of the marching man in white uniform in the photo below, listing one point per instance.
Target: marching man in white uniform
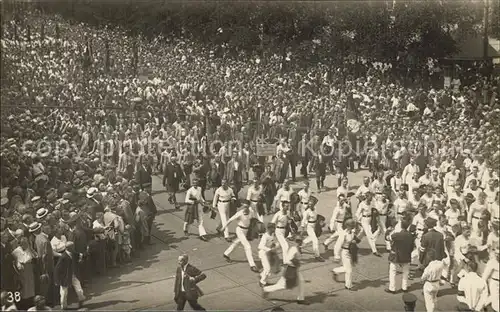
(337, 220)
(382, 206)
(283, 195)
(243, 216)
(254, 197)
(342, 252)
(364, 214)
(281, 219)
(193, 197)
(222, 201)
(267, 244)
(304, 195)
(308, 225)
(292, 277)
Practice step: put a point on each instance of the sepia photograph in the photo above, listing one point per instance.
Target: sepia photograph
(250, 155)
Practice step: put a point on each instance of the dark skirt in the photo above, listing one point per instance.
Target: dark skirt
(191, 214)
(173, 187)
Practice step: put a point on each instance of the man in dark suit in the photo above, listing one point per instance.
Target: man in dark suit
(45, 254)
(80, 238)
(304, 154)
(64, 275)
(185, 288)
(402, 246)
(8, 277)
(143, 175)
(233, 173)
(431, 240)
(172, 176)
(217, 172)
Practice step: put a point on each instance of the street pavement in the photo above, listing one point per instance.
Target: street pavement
(147, 283)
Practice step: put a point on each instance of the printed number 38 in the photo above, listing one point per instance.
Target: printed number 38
(13, 297)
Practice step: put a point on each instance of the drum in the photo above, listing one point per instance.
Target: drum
(291, 276)
(320, 223)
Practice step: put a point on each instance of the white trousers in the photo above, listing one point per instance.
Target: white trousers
(63, 292)
(311, 237)
(223, 209)
(280, 236)
(266, 266)
(201, 228)
(241, 237)
(281, 284)
(494, 294)
(335, 225)
(332, 237)
(393, 268)
(367, 230)
(430, 295)
(346, 267)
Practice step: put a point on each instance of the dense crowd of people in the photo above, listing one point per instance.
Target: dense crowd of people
(82, 136)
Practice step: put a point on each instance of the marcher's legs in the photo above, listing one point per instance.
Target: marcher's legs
(223, 211)
(201, 228)
(311, 237)
(242, 236)
(392, 276)
(367, 229)
(280, 236)
(430, 295)
(231, 247)
(345, 268)
(266, 266)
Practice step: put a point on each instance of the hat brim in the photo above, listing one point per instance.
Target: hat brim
(35, 229)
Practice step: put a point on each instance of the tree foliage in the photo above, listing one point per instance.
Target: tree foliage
(380, 29)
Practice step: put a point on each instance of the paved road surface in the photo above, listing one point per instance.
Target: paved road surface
(147, 283)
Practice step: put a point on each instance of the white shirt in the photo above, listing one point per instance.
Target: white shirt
(193, 192)
(280, 219)
(304, 196)
(253, 194)
(433, 271)
(183, 275)
(342, 191)
(396, 183)
(283, 195)
(244, 219)
(362, 190)
(408, 172)
(460, 243)
(266, 241)
(452, 216)
(310, 217)
(345, 238)
(223, 196)
(58, 245)
(475, 291)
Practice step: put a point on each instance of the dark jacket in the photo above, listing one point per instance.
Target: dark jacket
(143, 177)
(191, 289)
(403, 244)
(65, 269)
(172, 174)
(432, 240)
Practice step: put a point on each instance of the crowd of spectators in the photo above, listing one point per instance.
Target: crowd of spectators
(86, 105)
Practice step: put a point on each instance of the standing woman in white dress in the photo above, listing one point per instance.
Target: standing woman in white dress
(24, 259)
(346, 251)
